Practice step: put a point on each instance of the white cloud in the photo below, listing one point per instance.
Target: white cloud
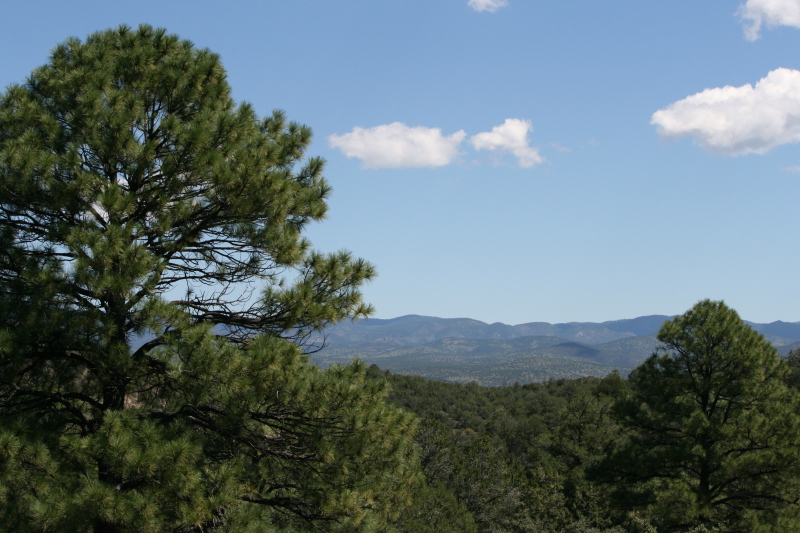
(511, 136)
(487, 5)
(738, 120)
(396, 145)
(755, 13)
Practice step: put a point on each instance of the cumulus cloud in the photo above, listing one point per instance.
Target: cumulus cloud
(487, 5)
(511, 136)
(396, 145)
(756, 13)
(738, 120)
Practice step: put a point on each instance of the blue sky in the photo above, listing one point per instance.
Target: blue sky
(520, 160)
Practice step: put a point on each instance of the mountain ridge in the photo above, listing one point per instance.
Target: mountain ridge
(464, 349)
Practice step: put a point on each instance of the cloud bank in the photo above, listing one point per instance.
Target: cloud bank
(397, 145)
(487, 5)
(738, 120)
(511, 136)
(756, 13)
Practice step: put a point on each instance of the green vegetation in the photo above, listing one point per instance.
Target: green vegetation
(704, 436)
(716, 428)
(494, 362)
(516, 457)
(138, 199)
(139, 203)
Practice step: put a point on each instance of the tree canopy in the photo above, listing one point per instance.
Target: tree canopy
(158, 301)
(156, 298)
(715, 429)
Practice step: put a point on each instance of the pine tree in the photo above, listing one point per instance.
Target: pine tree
(156, 300)
(715, 429)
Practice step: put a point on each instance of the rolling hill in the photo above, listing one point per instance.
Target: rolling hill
(464, 350)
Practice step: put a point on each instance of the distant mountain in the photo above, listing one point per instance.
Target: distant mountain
(463, 349)
(415, 329)
(778, 333)
(485, 361)
(644, 325)
(628, 352)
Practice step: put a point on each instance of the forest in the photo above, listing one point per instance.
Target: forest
(609, 454)
(140, 201)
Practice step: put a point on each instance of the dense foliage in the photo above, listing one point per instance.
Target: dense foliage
(157, 301)
(703, 437)
(716, 428)
(152, 374)
(516, 457)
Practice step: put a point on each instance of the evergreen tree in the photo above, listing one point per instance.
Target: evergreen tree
(156, 298)
(479, 473)
(716, 430)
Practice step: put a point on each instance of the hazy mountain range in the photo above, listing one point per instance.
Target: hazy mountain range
(462, 349)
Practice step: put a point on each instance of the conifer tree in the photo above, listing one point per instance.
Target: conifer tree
(715, 429)
(156, 300)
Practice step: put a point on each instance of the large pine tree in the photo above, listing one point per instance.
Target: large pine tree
(156, 300)
(715, 429)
